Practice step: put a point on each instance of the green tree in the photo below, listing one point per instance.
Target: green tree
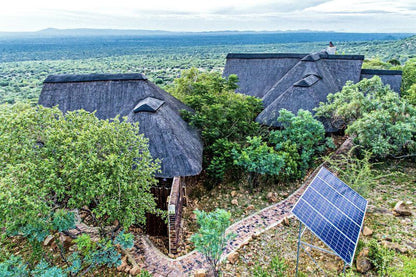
(50, 162)
(376, 116)
(224, 117)
(211, 238)
(408, 76)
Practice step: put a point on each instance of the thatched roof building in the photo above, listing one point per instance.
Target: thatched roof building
(171, 139)
(298, 81)
(391, 77)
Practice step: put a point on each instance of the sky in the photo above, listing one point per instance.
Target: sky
(211, 15)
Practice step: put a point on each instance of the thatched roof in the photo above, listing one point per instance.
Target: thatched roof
(388, 77)
(257, 73)
(171, 139)
(297, 81)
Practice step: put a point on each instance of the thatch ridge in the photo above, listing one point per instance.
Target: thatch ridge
(265, 55)
(171, 139)
(381, 72)
(66, 78)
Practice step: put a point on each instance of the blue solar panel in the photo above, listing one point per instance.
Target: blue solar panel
(334, 212)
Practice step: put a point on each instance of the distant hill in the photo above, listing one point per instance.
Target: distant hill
(310, 35)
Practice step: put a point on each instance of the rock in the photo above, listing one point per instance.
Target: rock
(395, 246)
(411, 244)
(234, 202)
(255, 235)
(271, 197)
(66, 241)
(48, 241)
(367, 231)
(127, 269)
(135, 270)
(233, 193)
(200, 273)
(123, 265)
(333, 267)
(378, 210)
(401, 209)
(249, 208)
(286, 221)
(363, 262)
(233, 257)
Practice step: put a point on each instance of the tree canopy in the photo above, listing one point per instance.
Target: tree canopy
(51, 161)
(376, 116)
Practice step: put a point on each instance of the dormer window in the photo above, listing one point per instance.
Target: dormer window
(308, 80)
(148, 104)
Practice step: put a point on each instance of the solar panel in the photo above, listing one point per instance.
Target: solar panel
(333, 212)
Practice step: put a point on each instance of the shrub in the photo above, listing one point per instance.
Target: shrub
(299, 142)
(356, 172)
(224, 117)
(258, 158)
(211, 239)
(408, 76)
(52, 162)
(376, 116)
(276, 268)
(380, 257)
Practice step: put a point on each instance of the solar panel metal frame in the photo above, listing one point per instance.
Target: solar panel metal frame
(349, 262)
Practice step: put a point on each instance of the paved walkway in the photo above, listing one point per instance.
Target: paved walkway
(159, 264)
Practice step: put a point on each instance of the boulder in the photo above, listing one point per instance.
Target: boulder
(233, 257)
(401, 209)
(367, 231)
(286, 221)
(233, 193)
(249, 208)
(363, 262)
(123, 265)
(395, 246)
(66, 241)
(271, 197)
(234, 202)
(200, 273)
(135, 270)
(48, 241)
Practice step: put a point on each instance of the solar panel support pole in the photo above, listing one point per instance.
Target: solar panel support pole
(301, 245)
(299, 241)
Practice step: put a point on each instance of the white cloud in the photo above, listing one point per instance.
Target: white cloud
(193, 15)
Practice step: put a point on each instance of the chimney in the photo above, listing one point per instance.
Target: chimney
(331, 49)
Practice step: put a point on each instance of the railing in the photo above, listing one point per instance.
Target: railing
(175, 205)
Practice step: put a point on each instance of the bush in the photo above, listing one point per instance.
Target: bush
(51, 163)
(224, 117)
(276, 268)
(354, 171)
(376, 116)
(408, 76)
(299, 142)
(380, 257)
(211, 239)
(258, 158)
